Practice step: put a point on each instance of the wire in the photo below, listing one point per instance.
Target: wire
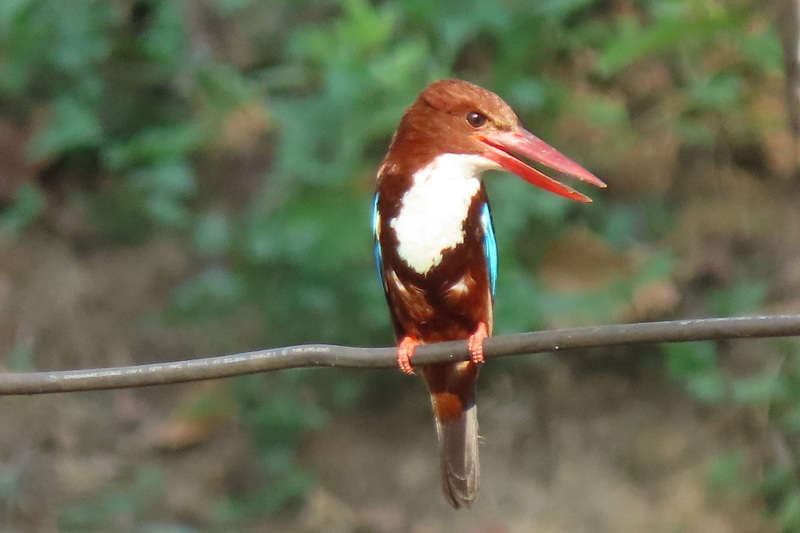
(323, 355)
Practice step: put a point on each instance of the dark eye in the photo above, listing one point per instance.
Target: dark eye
(476, 120)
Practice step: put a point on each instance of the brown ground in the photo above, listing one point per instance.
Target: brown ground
(570, 445)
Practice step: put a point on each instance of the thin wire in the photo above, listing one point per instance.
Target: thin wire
(323, 355)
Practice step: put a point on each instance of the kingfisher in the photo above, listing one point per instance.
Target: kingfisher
(436, 250)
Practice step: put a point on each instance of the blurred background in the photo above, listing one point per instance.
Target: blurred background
(182, 179)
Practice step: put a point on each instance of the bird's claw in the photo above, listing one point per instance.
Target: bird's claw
(405, 351)
(475, 344)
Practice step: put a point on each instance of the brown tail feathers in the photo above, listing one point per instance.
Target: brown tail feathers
(452, 388)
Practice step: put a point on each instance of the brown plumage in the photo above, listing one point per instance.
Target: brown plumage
(427, 309)
(436, 250)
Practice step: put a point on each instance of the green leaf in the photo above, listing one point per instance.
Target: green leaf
(760, 390)
(695, 132)
(607, 112)
(562, 9)
(528, 94)
(20, 358)
(212, 235)
(225, 86)
(763, 48)
(166, 211)
(173, 178)
(622, 224)
(166, 187)
(83, 35)
(717, 93)
(777, 480)
(790, 512)
(10, 11)
(165, 38)
(155, 145)
(709, 388)
(213, 291)
(294, 233)
(744, 297)
(27, 207)
(659, 265)
(73, 124)
(688, 359)
(366, 25)
(726, 471)
(633, 41)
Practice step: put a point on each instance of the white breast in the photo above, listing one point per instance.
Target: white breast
(433, 211)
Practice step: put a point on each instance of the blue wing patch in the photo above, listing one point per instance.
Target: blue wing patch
(489, 244)
(376, 237)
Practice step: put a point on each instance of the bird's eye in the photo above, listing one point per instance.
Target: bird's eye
(476, 120)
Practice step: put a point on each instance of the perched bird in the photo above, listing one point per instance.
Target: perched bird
(436, 250)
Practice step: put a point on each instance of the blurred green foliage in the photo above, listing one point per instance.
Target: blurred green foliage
(131, 502)
(129, 86)
(24, 211)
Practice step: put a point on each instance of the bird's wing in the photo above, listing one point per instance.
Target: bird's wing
(376, 237)
(489, 244)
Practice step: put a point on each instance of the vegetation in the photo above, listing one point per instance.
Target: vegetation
(258, 143)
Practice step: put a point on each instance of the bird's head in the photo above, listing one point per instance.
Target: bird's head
(457, 117)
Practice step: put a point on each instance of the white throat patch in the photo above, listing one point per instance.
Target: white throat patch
(434, 209)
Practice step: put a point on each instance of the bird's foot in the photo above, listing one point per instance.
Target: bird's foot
(475, 344)
(405, 351)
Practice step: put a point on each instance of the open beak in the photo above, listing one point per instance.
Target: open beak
(506, 147)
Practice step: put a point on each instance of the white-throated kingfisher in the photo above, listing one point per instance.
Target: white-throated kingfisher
(436, 249)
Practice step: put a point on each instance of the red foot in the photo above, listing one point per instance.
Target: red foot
(405, 351)
(475, 343)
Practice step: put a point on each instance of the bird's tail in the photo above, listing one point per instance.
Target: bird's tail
(452, 388)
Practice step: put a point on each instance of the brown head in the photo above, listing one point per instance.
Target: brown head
(455, 116)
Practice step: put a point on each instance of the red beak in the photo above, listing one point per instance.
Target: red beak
(503, 147)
